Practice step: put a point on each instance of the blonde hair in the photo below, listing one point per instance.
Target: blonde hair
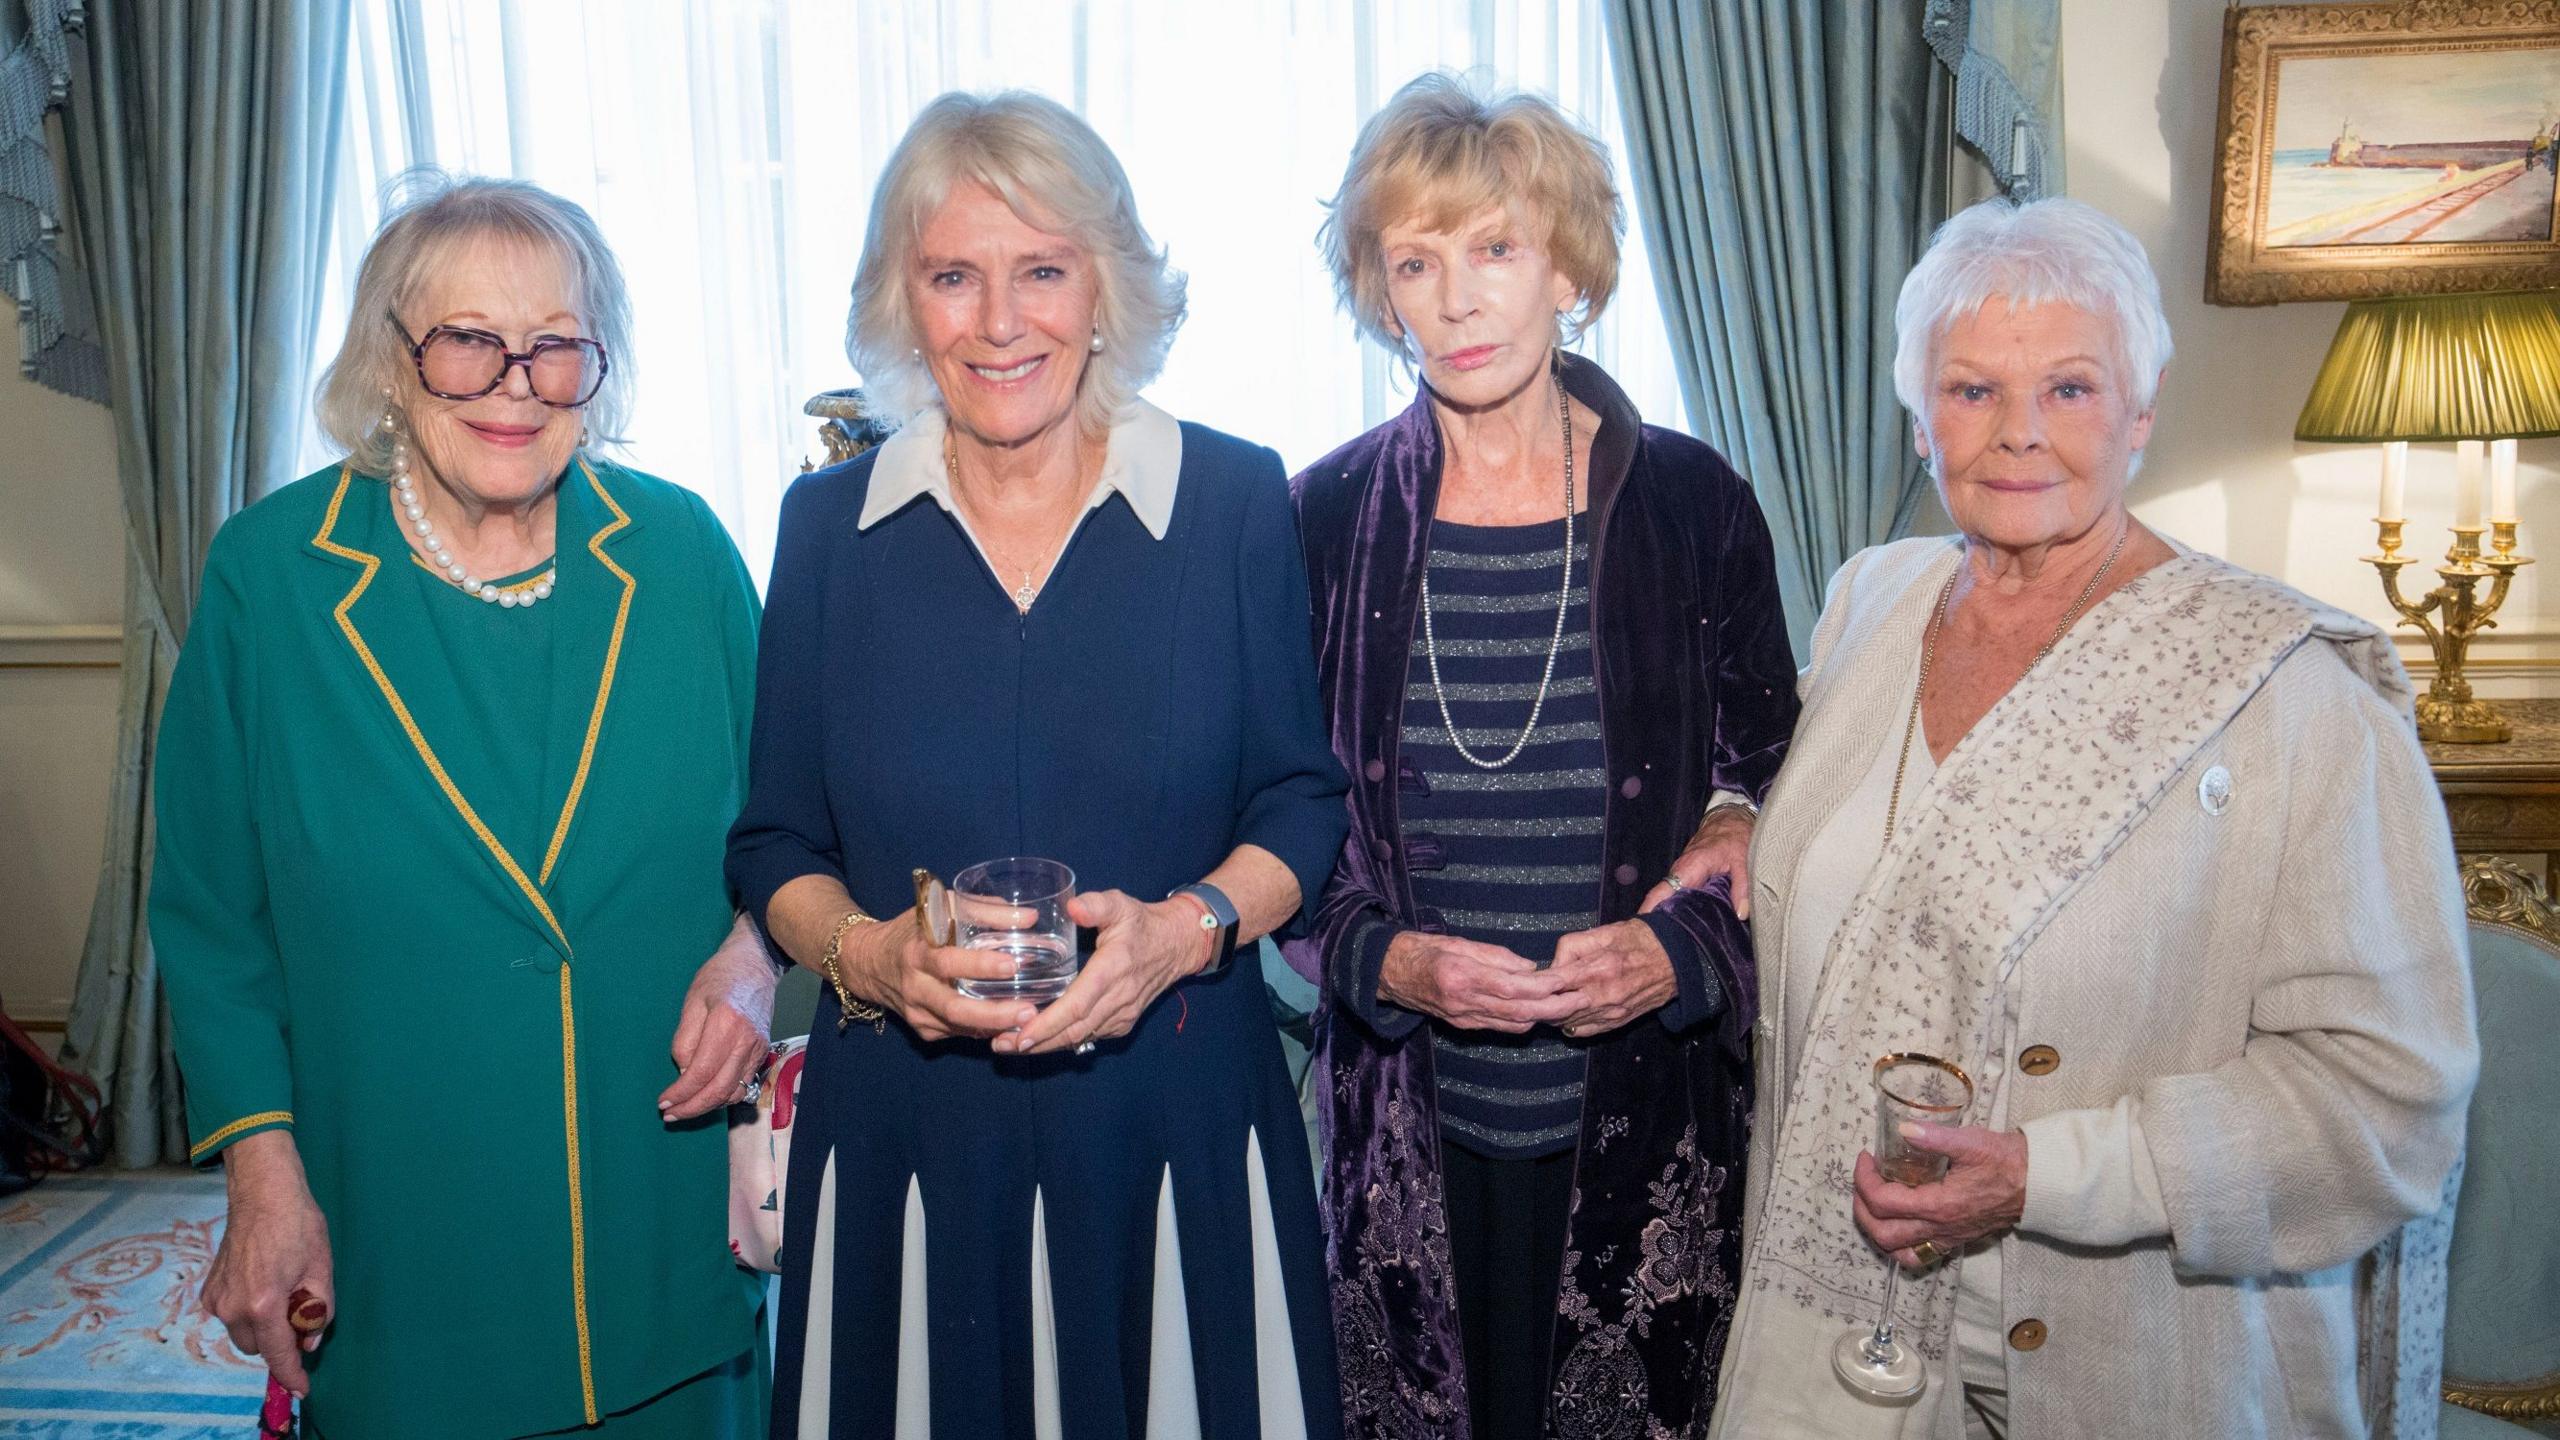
(428, 215)
(1440, 153)
(1056, 175)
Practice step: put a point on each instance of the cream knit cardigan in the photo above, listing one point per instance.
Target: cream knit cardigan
(2276, 996)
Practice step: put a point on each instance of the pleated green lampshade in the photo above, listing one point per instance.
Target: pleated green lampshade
(2444, 367)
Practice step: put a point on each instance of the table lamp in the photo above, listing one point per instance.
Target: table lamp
(2482, 371)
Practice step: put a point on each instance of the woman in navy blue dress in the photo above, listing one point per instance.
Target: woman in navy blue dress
(1043, 619)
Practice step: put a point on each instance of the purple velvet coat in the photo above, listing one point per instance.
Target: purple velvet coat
(1697, 693)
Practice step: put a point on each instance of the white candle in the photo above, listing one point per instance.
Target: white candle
(2395, 481)
(2502, 481)
(2469, 461)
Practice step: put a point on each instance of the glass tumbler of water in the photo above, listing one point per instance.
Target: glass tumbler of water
(1908, 1088)
(1017, 907)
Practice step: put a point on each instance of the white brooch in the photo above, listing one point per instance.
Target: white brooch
(2213, 792)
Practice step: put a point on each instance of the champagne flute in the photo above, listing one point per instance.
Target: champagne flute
(1908, 1087)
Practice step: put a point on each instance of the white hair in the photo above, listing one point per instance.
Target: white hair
(2042, 252)
(428, 215)
(1057, 175)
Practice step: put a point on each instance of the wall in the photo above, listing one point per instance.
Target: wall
(61, 597)
(2140, 86)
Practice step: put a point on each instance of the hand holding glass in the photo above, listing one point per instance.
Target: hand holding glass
(1018, 908)
(1908, 1088)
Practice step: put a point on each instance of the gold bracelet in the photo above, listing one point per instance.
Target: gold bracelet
(829, 965)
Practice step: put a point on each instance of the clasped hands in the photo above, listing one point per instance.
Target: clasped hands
(1139, 951)
(1601, 979)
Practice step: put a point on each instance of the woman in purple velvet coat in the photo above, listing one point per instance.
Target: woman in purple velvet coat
(1553, 659)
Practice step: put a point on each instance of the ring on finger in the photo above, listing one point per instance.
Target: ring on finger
(749, 1088)
(1928, 1254)
(1675, 882)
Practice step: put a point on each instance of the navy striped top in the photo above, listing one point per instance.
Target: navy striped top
(1509, 857)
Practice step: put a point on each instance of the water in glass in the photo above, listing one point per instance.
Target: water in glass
(1017, 908)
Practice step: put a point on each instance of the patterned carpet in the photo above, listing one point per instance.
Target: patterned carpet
(100, 1332)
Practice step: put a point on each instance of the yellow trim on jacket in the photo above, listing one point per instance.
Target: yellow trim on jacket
(245, 1122)
(559, 835)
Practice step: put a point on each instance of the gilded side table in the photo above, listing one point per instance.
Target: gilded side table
(2504, 799)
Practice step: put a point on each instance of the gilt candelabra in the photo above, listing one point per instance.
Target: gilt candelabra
(2451, 614)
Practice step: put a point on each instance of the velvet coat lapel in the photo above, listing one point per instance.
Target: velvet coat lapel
(1652, 1246)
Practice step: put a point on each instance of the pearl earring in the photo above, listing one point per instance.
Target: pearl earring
(1097, 342)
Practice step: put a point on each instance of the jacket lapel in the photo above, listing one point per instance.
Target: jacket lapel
(355, 532)
(1853, 706)
(1613, 453)
(1392, 547)
(594, 594)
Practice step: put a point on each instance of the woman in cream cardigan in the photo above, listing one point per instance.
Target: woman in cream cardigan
(2145, 843)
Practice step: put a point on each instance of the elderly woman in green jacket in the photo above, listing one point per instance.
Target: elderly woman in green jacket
(443, 781)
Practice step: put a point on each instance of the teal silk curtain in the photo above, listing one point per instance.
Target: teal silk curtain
(1790, 160)
(199, 138)
(57, 339)
(2006, 57)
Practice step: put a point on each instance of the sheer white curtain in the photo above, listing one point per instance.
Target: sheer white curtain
(729, 149)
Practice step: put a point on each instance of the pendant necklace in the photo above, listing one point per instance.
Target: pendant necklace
(1929, 656)
(1027, 591)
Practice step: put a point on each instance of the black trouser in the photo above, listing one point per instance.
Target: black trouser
(1506, 1245)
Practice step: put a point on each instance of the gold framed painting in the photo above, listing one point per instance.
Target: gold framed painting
(2386, 149)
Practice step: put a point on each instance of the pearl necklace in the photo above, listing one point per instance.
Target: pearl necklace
(450, 569)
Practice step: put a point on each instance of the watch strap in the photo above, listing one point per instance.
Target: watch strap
(1222, 915)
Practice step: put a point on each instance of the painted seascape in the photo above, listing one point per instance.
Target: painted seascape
(2444, 148)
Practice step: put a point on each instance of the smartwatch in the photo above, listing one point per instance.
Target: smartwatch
(1221, 918)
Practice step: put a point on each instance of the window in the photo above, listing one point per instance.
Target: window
(729, 149)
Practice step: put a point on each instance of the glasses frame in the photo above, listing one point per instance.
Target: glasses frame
(509, 360)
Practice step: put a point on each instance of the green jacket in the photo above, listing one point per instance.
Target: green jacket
(459, 993)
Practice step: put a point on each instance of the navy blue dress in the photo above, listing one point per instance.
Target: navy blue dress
(1155, 708)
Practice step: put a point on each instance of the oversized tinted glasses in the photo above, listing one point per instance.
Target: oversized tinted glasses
(456, 362)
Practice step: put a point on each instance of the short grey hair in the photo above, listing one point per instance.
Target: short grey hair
(427, 216)
(1055, 173)
(2041, 252)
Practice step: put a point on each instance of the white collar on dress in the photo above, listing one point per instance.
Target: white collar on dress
(1142, 460)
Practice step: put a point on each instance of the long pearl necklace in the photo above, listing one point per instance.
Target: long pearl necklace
(405, 495)
(1555, 642)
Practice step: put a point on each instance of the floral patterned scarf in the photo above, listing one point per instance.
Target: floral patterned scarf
(2024, 810)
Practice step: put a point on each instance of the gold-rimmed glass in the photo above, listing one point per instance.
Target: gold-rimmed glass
(1909, 1087)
